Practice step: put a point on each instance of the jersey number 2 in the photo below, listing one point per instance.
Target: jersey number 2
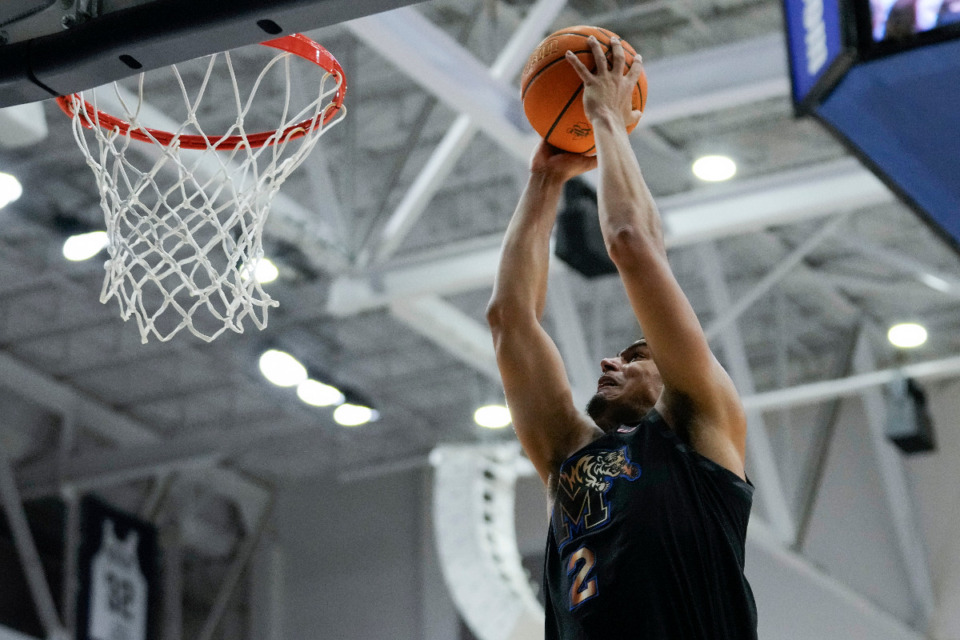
(584, 586)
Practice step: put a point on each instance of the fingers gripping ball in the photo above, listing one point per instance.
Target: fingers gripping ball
(552, 92)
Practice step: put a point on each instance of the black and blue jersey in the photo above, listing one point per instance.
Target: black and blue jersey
(646, 542)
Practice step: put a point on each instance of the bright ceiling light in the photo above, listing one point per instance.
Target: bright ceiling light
(84, 246)
(10, 189)
(492, 416)
(354, 415)
(281, 368)
(907, 335)
(714, 168)
(318, 394)
(264, 272)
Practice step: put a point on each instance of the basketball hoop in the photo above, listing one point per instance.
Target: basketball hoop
(185, 223)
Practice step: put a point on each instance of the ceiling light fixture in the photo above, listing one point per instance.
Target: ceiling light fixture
(318, 394)
(265, 271)
(492, 416)
(10, 189)
(907, 335)
(714, 168)
(84, 246)
(354, 415)
(281, 368)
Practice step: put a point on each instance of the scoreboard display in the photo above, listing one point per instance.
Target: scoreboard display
(884, 77)
(816, 43)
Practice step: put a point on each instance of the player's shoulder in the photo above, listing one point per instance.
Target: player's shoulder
(721, 438)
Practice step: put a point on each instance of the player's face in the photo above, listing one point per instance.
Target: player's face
(628, 387)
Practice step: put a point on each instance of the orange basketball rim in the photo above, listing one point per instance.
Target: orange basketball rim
(297, 44)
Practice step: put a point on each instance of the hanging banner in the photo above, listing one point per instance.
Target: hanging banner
(117, 572)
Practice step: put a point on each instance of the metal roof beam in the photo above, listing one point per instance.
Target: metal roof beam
(926, 274)
(719, 78)
(700, 82)
(459, 135)
(823, 390)
(112, 425)
(763, 461)
(897, 491)
(571, 338)
(99, 468)
(443, 67)
(453, 330)
(729, 315)
(705, 214)
(26, 547)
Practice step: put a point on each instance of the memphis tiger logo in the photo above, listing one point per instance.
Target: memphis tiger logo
(582, 486)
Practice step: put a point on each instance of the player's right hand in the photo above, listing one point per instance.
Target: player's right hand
(547, 159)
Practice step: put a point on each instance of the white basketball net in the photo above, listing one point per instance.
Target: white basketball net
(185, 227)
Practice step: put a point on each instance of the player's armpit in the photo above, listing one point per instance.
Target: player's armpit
(719, 435)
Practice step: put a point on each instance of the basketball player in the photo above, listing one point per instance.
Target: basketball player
(648, 497)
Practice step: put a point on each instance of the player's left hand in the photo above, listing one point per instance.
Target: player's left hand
(608, 91)
(547, 159)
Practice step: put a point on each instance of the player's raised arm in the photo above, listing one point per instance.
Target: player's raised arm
(695, 384)
(547, 423)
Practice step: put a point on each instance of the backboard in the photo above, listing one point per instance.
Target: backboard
(50, 48)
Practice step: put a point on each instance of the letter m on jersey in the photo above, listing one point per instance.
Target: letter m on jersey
(582, 486)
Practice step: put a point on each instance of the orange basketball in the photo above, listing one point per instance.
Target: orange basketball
(552, 92)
